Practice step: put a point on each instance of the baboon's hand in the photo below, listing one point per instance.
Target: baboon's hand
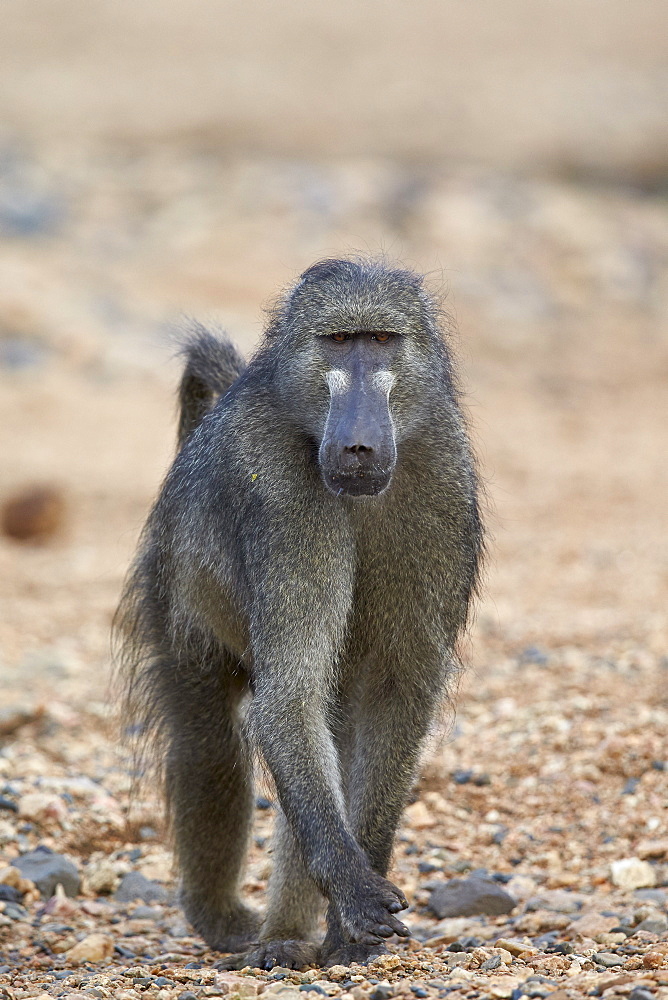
(367, 910)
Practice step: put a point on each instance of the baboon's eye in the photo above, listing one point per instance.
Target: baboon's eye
(340, 337)
(382, 338)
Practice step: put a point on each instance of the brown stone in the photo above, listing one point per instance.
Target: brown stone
(34, 514)
(93, 948)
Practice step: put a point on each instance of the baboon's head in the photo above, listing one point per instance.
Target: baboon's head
(364, 347)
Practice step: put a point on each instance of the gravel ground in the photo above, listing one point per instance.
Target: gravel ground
(550, 783)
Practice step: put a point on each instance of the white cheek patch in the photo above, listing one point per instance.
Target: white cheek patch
(337, 380)
(384, 380)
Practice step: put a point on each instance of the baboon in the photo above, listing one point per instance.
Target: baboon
(299, 591)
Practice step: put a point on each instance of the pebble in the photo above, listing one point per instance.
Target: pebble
(557, 900)
(93, 948)
(419, 816)
(47, 870)
(381, 993)
(134, 885)
(469, 897)
(657, 896)
(33, 514)
(657, 924)
(653, 959)
(15, 911)
(632, 873)
(9, 894)
(101, 877)
(42, 806)
(607, 959)
(516, 947)
(590, 925)
(147, 913)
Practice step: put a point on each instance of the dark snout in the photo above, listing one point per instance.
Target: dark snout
(358, 451)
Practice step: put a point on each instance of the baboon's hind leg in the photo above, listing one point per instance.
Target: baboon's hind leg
(292, 914)
(210, 795)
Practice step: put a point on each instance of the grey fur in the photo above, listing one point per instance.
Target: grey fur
(333, 618)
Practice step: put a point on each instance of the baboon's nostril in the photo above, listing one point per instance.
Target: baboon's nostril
(358, 449)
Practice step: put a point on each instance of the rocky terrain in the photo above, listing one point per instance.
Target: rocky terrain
(545, 797)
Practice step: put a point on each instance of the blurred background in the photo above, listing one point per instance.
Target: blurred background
(193, 156)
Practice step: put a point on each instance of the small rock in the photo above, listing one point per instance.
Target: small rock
(516, 947)
(653, 849)
(632, 873)
(607, 959)
(447, 931)
(591, 925)
(101, 877)
(147, 913)
(653, 959)
(563, 948)
(337, 973)
(35, 513)
(468, 897)
(654, 925)
(521, 887)
(8, 804)
(657, 896)
(61, 905)
(384, 963)
(640, 993)
(15, 716)
(557, 900)
(492, 963)
(381, 993)
(8, 894)
(538, 921)
(419, 816)
(461, 974)
(42, 806)
(93, 948)
(134, 885)
(47, 870)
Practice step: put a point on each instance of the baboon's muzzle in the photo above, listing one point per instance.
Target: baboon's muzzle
(358, 451)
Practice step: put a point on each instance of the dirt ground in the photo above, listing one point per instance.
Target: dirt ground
(559, 292)
(552, 776)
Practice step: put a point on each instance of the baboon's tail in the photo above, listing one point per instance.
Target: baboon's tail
(212, 365)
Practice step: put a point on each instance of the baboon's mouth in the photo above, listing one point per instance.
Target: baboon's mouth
(361, 483)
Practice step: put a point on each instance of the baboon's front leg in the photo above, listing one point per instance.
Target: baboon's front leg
(296, 742)
(393, 719)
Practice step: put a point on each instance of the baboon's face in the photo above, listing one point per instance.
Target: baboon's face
(358, 450)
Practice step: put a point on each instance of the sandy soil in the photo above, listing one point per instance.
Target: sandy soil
(560, 293)
(570, 86)
(137, 185)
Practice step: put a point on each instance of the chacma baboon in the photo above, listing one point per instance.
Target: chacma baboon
(299, 591)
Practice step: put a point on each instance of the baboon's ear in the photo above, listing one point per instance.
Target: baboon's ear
(323, 270)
